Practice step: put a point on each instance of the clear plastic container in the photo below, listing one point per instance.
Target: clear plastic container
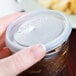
(51, 65)
(47, 27)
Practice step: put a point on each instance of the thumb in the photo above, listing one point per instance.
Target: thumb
(21, 60)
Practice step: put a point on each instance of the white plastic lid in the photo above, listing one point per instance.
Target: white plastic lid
(47, 27)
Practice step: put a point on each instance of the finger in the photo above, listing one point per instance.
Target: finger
(4, 22)
(2, 42)
(4, 52)
(22, 60)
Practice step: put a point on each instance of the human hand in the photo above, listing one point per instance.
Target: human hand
(20, 61)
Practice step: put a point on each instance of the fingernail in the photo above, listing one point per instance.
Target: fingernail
(38, 51)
